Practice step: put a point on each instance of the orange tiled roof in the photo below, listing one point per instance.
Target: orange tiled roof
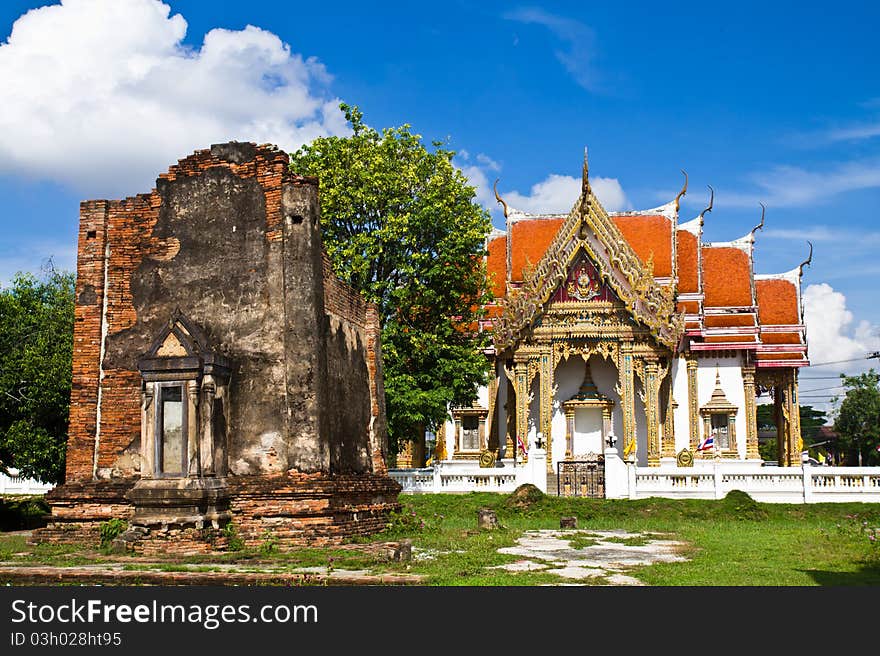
(729, 320)
(724, 339)
(780, 356)
(727, 273)
(687, 263)
(777, 302)
(780, 338)
(496, 266)
(529, 240)
(650, 237)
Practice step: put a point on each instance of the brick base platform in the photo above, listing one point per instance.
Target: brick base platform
(287, 511)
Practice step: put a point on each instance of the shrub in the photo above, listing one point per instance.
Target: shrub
(739, 505)
(20, 513)
(233, 539)
(525, 496)
(112, 529)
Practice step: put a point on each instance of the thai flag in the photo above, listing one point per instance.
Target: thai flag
(521, 444)
(707, 444)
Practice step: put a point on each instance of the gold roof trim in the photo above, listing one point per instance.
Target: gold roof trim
(589, 228)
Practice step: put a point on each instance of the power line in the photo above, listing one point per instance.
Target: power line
(821, 389)
(867, 357)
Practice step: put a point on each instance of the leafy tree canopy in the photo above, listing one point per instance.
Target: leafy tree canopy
(36, 340)
(858, 418)
(401, 225)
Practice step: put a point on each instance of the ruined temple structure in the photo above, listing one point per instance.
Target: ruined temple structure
(221, 373)
(628, 326)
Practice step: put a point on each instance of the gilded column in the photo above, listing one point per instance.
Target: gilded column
(652, 410)
(693, 402)
(546, 416)
(748, 374)
(522, 410)
(795, 443)
(626, 390)
(667, 450)
(491, 419)
(779, 412)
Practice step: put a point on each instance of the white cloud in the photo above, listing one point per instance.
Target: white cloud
(103, 96)
(821, 233)
(830, 332)
(477, 177)
(34, 255)
(577, 43)
(833, 338)
(558, 193)
(792, 186)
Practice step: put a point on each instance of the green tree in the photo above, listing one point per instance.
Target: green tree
(401, 225)
(811, 421)
(858, 418)
(36, 341)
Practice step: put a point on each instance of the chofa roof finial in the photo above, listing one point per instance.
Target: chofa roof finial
(585, 182)
(498, 198)
(682, 192)
(760, 226)
(711, 202)
(808, 261)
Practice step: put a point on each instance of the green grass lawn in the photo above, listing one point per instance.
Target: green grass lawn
(728, 543)
(731, 542)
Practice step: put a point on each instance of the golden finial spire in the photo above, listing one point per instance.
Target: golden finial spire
(760, 226)
(585, 183)
(682, 192)
(808, 261)
(498, 198)
(711, 202)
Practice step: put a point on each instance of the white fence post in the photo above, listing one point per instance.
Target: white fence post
(437, 478)
(719, 493)
(808, 482)
(631, 479)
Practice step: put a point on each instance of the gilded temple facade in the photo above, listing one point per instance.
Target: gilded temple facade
(628, 329)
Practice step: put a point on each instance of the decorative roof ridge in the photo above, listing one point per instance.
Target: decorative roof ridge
(588, 227)
(495, 234)
(694, 226)
(667, 210)
(743, 243)
(793, 276)
(518, 215)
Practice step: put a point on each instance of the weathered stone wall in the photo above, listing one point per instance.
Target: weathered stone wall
(352, 331)
(231, 238)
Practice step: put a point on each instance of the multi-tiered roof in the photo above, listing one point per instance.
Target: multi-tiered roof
(724, 305)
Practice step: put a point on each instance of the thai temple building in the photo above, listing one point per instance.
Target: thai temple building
(628, 329)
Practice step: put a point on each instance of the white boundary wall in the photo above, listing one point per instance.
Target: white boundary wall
(804, 484)
(18, 485)
(706, 480)
(468, 476)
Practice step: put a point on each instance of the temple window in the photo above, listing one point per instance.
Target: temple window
(171, 434)
(720, 433)
(470, 431)
(719, 421)
(185, 400)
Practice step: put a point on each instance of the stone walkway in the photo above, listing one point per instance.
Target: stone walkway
(591, 556)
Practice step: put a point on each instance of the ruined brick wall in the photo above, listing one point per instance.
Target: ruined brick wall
(354, 363)
(232, 238)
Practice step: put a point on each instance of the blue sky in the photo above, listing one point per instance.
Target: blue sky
(775, 102)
